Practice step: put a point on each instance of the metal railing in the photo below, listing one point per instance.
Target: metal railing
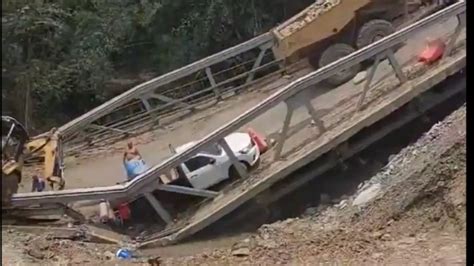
(147, 182)
(149, 86)
(136, 117)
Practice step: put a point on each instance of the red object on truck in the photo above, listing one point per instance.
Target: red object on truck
(433, 51)
(259, 140)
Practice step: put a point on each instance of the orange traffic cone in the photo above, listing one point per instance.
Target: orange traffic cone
(258, 140)
(433, 51)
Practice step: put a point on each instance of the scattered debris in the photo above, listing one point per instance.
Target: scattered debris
(367, 195)
(124, 254)
(241, 252)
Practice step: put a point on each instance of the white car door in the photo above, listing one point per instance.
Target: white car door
(203, 171)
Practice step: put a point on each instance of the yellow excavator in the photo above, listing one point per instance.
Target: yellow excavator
(17, 146)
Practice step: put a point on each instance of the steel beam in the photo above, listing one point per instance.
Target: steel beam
(284, 130)
(149, 109)
(164, 215)
(212, 81)
(452, 41)
(126, 132)
(235, 161)
(167, 99)
(368, 81)
(315, 118)
(188, 191)
(396, 66)
(257, 63)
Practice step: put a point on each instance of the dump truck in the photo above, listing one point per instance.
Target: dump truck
(331, 29)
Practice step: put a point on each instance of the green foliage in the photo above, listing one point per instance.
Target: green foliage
(58, 55)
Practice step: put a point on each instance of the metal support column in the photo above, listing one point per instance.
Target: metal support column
(188, 191)
(158, 208)
(396, 66)
(168, 100)
(235, 161)
(368, 81)
(149, 109)
(452, 41)
(257, 63)
(213, 82)
(284, 131)
(121, 131)
(315, 119)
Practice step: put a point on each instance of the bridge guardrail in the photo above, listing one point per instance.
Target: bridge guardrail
(147, 87)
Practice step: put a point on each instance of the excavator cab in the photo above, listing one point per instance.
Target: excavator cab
(14, 137)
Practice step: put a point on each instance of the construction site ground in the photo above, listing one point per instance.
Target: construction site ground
(412, 211)
(103, 166)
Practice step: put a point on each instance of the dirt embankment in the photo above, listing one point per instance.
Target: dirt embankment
(414, 210)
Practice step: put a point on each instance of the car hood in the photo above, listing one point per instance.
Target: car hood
(238, 141)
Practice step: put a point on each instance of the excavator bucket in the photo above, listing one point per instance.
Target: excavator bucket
(14, 136)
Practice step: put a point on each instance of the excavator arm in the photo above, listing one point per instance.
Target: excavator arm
(18, 147)
(46, 148)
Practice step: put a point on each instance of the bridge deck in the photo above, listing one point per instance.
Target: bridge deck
(304, 145)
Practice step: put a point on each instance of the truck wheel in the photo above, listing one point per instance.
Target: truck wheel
(9, 187)
(234, 174)
(333, 53)
(373, 31)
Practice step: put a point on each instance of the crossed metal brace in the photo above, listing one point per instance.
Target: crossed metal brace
(389, 54)
(292, 104)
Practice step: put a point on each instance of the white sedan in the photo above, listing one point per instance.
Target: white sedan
(212, 165)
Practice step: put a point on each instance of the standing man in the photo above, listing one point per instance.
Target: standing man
(131, 152)
(133, 162)
(38, 184)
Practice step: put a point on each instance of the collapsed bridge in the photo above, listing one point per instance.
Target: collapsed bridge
(361, 107)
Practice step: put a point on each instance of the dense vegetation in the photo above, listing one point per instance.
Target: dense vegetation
(59, 56)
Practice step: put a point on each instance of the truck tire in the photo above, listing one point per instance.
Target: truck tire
(333, 53)
(373, 31)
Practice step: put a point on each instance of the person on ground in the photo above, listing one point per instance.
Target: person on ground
(38, 184)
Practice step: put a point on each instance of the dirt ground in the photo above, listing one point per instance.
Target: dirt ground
(412, 212)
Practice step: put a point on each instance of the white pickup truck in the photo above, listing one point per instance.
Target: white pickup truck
(212, 165)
